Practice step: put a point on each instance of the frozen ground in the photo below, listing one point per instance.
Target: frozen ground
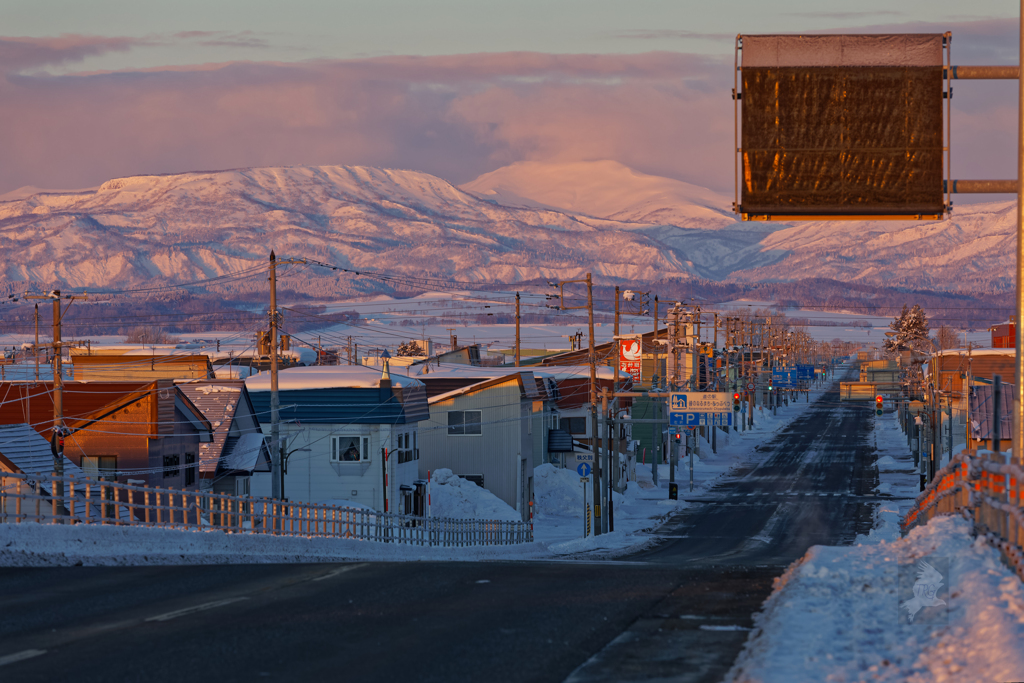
(558, 522)
(835, 614)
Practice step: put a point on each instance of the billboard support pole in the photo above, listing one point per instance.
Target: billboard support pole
(1018, 388)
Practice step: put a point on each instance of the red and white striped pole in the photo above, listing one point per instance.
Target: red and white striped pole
(384, 462)
(531, 519)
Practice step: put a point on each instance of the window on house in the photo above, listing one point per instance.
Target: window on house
(576, 425)
(349, 449)
(464, 423)
(406, 447)
(172, 466)
(190, 469)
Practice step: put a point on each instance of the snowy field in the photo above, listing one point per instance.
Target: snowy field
(836, 614)
(558, 521)
(385, 322)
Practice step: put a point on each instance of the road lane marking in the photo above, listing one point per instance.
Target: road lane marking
(729, 627)
(195, 608)
(340, 570)
(19, 656)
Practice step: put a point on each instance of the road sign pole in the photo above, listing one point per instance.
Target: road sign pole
(672, 449)
(691, 457)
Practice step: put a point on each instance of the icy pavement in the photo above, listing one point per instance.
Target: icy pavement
(835, 615)
(899, 482)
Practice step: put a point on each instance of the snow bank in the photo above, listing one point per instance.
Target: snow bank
(558, 492)
(454, 497)
(60, 545)
(835, 615)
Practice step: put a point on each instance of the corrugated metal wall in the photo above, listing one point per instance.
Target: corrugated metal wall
(495, 453)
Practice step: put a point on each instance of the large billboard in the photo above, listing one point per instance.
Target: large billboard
(631, 358)
(841, 126)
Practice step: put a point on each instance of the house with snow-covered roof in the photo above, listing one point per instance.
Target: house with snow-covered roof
(146, 432)
(349, 433)
(237, 448)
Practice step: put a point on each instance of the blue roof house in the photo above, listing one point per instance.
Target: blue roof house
(346, 431)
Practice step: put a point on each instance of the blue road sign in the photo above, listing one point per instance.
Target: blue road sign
(700, 419)
(804, 371)
(584, 469)
(785, 378)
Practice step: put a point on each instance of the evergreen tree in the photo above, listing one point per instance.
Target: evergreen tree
(410, 349)
(911, 331)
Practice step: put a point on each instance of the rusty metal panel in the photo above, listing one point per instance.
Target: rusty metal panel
(842, 125)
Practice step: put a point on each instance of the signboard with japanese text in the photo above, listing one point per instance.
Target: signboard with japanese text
(700, 419)
(700, 402)
(631, 358)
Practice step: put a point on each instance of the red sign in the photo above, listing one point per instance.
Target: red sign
(631, 358)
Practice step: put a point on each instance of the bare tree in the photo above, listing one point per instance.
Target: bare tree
(946, 338)
(149, 335)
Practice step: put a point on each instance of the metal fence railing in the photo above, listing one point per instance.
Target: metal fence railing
(28, 498)
(986, 489)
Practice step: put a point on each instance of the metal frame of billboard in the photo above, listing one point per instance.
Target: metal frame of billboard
(846, 213)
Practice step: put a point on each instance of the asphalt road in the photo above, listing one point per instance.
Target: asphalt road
(678, 611)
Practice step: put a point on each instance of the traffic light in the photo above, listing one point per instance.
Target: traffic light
(736, 402)
(878, 405)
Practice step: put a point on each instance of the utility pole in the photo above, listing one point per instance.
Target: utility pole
(59, 432)
(614, 467)
(598, 470)
(517, 329)
(36, 347)
(592, 356)
(276, 479)
(276, 448)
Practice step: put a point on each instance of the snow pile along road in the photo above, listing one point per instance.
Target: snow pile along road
(60, 545)
(836, 614)
(456, 498)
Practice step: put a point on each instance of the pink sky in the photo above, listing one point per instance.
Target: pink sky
(665, 113)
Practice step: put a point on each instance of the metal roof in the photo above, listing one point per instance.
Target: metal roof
(217, 400)
(30, 453)
(345, 406)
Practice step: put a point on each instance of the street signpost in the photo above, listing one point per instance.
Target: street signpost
(586, 510)
(693, 420)
(700, 409)
(784, 378)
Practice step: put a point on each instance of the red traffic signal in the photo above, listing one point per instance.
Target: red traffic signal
(878, 400)
(735, 402)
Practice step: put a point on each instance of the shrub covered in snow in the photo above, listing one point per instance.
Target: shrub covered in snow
(453, 496)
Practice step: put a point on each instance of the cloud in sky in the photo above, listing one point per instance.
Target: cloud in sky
(456, 116)
(19, 54)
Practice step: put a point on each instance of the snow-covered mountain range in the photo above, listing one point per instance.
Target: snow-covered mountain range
(523, 222)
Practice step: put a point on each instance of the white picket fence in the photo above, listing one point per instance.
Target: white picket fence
(27, 498)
